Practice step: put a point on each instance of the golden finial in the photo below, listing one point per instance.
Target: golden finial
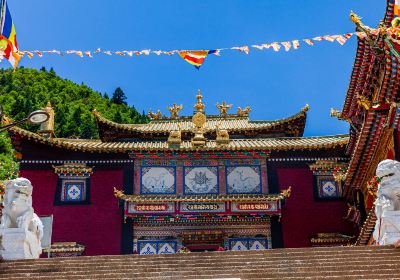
(199, 106)
(223, 108)
(174, 110)
(305, 108)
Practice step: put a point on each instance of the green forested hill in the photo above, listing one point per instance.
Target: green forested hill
(26, 90)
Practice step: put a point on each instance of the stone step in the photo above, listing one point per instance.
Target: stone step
(374, 262)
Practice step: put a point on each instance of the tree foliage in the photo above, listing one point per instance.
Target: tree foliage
(26, 90)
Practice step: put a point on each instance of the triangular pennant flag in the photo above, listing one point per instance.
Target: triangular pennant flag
(145, 52)
(88, 53)
(39, 53)
(157, 52)
(296, 44)
(130, 53)
(341, 39)
(329, 38)
(215, 52)
(120, 53)
(97, 51)
(107, 53)
(244, 49)
(275, 46)
(195, 58)
(287, 45)
(29, 54)
(309, 42)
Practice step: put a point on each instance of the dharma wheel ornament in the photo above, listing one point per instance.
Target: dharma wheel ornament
(199, 120)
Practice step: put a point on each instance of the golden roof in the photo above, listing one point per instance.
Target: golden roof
(230, 123)
(202, 198)
(265, 144)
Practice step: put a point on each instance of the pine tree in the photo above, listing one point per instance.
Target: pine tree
(118, 96)
(118, 117)
(106, 96)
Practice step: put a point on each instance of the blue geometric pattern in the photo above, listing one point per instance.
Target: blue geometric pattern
(244, 244)
(73, 190)
(154, 247)
(328, 187)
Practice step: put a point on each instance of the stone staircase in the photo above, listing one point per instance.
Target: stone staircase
(355, 262)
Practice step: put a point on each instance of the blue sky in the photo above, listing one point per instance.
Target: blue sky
(274, 84)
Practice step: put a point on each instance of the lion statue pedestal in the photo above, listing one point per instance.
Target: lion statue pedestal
(387, 203)
(19, 243)
(20, 228)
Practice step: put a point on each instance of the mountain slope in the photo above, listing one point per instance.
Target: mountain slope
(26, 90)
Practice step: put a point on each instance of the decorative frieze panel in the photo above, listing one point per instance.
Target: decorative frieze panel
(154, 247)
(201, 180)
(158, 180)
(243, 179)
(245, 244)
(202, 207)
(259, 207)
(143, 208)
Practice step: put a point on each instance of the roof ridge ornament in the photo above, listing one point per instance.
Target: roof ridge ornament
(243, 112)
(199, 106)
(174, 110)
(373, 42)
(155, 116)
(223, 108)
(305, 108)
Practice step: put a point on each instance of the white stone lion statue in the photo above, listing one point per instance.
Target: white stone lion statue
(387, 203)
(18, 214)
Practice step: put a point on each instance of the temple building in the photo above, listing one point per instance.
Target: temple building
(200, 183)
(372, 109)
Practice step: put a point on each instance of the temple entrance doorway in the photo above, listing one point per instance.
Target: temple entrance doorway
(203, 240)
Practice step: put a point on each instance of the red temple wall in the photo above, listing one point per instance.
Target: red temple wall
(302, 215)
(97, 225)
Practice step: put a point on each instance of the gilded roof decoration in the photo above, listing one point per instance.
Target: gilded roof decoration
(199, 106)
(223, 108)
(174, 110)
(243, 112)
(202, 198)
(263, 144)
(233, 123)
(155, 116)
(74, 169)
(331, 238)
(63, 247)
